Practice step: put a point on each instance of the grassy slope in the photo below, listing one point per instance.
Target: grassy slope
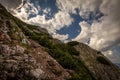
(63, 53)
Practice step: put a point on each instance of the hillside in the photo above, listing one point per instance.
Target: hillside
(100, 67)
(28, 52)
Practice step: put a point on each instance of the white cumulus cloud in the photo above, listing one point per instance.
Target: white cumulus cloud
(61, 37)
(85, 32)
(59, 20)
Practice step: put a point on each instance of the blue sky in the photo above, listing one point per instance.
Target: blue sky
(46, 4)
(74, 28)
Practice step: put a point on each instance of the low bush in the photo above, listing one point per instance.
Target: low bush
(73, 43)
(102, 60)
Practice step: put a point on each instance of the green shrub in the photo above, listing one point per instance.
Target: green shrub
(56, 53)
(56, 70)
(73, 43)
(75, 77)
(73, 51)
(67, 62)
(66, 48)
(102, 60)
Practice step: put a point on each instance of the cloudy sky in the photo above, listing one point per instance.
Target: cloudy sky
(93, 22)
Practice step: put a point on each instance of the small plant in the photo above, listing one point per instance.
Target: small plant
(73, 43)
(51, 63)
(56, 71)
(75, 77)
(73, 51)
(102, 60)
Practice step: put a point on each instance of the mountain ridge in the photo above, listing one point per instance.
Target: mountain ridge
(98, 64)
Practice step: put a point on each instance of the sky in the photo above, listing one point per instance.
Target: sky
(93, 22)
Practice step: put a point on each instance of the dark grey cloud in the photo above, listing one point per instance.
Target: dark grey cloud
(10, 3)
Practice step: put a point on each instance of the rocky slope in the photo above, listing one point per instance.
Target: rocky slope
(98, 64)
(29, 53)
(22, 58)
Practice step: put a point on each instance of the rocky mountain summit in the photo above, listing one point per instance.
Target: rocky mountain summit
(28, 52)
